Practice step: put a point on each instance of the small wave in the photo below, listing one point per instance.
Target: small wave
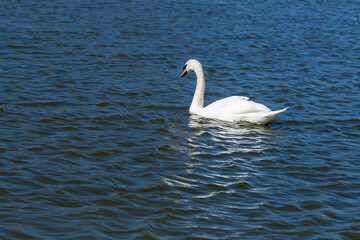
(45, 103)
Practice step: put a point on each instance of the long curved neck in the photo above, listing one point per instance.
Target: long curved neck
(198, 100)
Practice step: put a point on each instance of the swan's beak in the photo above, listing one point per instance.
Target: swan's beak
(184, 72)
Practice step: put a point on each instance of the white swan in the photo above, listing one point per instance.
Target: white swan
(230, 109)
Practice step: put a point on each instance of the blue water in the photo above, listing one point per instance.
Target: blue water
(96, 141)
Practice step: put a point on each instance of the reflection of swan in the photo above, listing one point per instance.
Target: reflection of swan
(216, 138)
(230, 109)
(218, 158)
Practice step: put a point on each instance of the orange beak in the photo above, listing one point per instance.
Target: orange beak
(184, 72)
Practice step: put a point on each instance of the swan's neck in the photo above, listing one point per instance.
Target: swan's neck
(198, 99)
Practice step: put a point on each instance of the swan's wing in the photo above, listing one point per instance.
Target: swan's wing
(225, 102)
(234, 105)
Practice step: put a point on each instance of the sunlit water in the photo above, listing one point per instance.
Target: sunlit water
(96, 140)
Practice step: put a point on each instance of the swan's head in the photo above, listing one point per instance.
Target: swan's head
(191, 65)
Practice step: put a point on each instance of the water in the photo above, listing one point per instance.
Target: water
(96, 140)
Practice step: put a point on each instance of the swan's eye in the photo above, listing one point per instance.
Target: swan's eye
(184, 67)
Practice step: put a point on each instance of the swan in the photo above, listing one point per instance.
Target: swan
(231, 109)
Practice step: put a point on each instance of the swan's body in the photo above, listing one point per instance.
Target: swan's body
(230, 109)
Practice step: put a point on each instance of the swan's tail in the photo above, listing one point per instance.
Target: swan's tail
(272, 114)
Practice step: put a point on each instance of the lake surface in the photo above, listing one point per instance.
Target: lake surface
(96, 141)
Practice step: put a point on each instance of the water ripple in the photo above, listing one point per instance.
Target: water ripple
(97, 143)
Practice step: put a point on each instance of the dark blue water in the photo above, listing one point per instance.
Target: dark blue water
(96, 141)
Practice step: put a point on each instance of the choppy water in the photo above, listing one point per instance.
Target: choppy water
(96, 140)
